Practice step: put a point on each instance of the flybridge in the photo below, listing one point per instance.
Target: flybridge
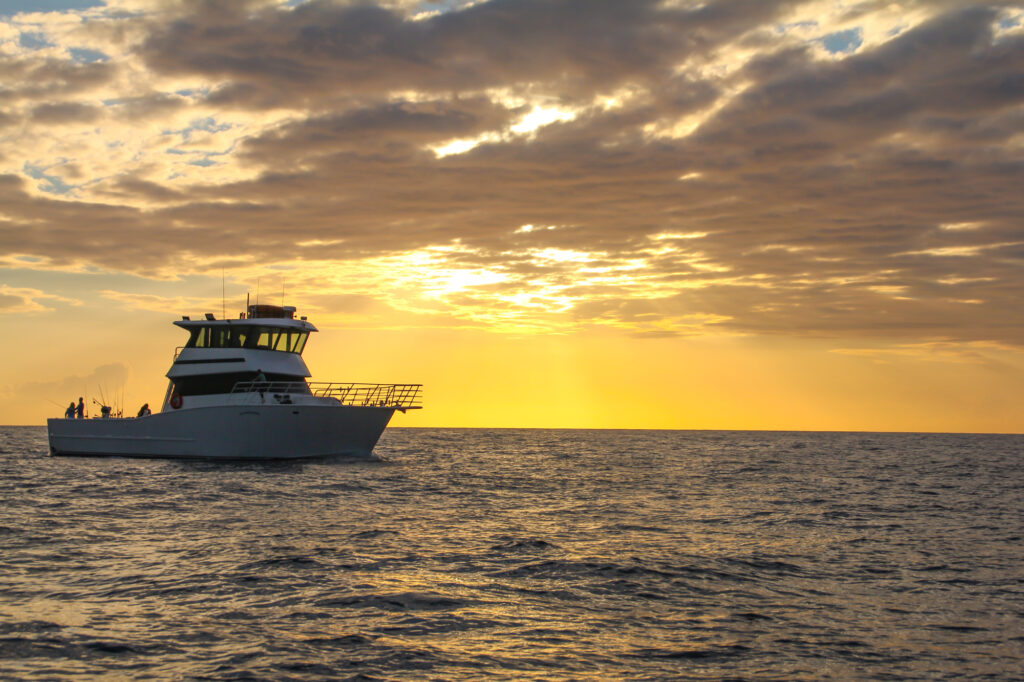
(258, 311)
(263, 327)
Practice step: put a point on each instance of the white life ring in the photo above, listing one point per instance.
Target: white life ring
(175, 400)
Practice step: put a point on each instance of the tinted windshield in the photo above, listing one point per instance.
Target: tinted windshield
(264, 338)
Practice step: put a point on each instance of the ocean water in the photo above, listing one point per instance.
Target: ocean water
(522, 554)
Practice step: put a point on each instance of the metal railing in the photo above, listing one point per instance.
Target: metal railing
(399, 396)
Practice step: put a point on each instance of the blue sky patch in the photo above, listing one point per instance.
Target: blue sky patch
(780, 29)
(208, 124)
(86, 56)
(33, 41)
(12, 7)
(192, 92)
(51, 183)
(440, 5)
(843, 41)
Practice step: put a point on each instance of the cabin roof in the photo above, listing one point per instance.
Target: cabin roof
(278, 322)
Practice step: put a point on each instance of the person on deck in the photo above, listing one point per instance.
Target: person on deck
(144, 410)
(80, 410)
(260, 380)
(70, 412)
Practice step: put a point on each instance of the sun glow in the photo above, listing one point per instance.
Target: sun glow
(527, 125)
(563, 255)
(443, 282)
(539, 117)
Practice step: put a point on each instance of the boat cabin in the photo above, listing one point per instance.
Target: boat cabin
(264, 344)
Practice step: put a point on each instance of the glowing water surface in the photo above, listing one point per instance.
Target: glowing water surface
(470, 554)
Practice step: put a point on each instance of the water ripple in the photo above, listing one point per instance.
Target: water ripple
(521, 554)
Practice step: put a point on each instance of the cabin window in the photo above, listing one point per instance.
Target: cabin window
(211, 384)
(285, 341)
(216, 337)
(263, 338)
(200, 338)
(238, 336)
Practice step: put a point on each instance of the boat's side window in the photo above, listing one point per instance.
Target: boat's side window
(210, 337)
(219, 337)
(203, 338)
(265, 339)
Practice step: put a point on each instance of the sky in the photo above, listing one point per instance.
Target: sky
(731, 214)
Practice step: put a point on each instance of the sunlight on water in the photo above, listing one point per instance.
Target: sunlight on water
(464, 554)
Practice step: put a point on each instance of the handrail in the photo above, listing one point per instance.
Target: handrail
(399, 396)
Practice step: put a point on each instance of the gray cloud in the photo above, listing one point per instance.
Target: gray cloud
(401, 127)
(66, 112)
(820, 190)
(150, 106)
(562, 47)
(42, 79)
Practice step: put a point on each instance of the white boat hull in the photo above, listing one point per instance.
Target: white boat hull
(269, 431)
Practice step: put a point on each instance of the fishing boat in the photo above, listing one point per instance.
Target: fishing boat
(239, 389)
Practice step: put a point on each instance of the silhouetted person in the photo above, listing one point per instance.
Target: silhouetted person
(80, 410)
(144, 410)
(259, 380)
(70, 412)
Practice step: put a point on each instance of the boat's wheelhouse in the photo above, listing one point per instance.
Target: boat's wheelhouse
(264, 344)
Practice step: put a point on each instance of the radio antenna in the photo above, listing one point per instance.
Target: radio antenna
(223, 305)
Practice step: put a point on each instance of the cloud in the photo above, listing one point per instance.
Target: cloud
(65, 112)
(163, 304)
(20, 300)
(105, 379)
(31, 78)
(871, 190)
(321, 49)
